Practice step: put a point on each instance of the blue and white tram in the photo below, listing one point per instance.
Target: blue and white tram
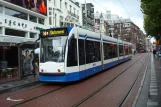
(72, 53)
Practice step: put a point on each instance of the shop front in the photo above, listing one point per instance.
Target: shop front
(17, 58)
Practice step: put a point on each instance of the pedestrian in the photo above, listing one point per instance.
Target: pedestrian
(154, 52)
(134, 52)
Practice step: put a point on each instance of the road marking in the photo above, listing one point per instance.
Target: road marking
(9, 99)
(152, 103)
(153, 86)
(153, 93)
(153, 81)
(152, 90)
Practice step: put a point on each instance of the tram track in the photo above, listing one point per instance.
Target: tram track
(99, 89)
(38, 91)
(61, 87)
(38, 96)
(130, 89)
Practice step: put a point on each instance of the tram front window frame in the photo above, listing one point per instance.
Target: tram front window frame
(53, 49)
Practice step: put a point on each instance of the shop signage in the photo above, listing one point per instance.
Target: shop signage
(15, 23)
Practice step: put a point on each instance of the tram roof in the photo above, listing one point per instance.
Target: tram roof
(88, 33)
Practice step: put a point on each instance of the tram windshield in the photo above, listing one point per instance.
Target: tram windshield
(53, 49)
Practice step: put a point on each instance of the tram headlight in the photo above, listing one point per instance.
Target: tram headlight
(61, 66)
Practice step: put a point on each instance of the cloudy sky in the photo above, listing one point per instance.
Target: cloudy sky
(133, 9)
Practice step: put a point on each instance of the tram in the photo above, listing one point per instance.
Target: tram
(71, 54)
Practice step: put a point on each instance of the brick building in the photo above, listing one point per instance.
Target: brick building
(129, 32)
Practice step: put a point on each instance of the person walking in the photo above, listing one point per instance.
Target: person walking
(154, 52)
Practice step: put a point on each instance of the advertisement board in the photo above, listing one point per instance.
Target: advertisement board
(39, 6)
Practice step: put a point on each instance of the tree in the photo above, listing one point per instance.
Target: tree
(152, 16)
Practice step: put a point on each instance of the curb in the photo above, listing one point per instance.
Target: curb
(140, 89)
(10, 89)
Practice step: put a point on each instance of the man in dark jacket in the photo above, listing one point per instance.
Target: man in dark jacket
(154, 52)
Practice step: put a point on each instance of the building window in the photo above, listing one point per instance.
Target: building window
(15, 13)
(60, 3)
(50, 13)
(50, 22)
(66, 5)
(50, 8)
(41, 21)
(61, 21)
(1, 9)
(33, 18)
(70, 8)
(55, 19)
(0, 30)
(74, 11)
(78, 12)
(15, 32)
(54, 2)
(32, 35)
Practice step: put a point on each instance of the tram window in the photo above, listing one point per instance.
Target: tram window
(114, 51)
(72, 52)
(126, 50)
(90, 57)
(120, 50)
(107, 51)
(97, 51)
(81, 52)
(130, 50)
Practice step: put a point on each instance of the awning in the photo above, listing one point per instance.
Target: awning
(15, 39)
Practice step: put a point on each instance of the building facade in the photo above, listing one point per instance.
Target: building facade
(129, 32)
(110, 19)
(64, 13)
(88, 16)
(101, 25)
(20, 24)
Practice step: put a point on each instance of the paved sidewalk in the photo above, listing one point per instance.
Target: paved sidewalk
(150, 90)
(8, 86)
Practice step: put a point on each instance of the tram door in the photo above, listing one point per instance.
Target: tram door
(82, 62)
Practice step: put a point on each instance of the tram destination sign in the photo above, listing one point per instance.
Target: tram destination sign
(54, 32)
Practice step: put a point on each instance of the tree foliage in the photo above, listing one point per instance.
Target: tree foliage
(152, 16)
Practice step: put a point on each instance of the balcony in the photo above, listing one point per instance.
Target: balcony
(92, 16)
(90, 22)
(92, 10)
(72, 14)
